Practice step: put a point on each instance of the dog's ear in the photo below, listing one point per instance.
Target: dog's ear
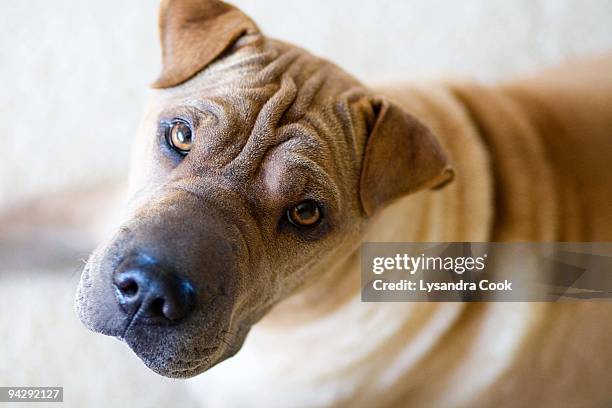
(195, 32)
(401, 156)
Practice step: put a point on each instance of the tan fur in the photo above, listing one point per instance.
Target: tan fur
(486, 354)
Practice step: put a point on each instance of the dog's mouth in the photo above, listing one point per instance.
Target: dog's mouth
(183, 361)
(174, 354)
(181, 350)
(182, 367)
(191, 368)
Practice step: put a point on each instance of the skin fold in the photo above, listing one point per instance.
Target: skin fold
(274, 125)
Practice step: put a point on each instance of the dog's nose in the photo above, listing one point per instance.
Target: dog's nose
(150, 292)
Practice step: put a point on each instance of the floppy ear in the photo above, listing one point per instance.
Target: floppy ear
(401, 156)
(195, 32)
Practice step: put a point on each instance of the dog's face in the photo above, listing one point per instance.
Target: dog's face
(256, 168)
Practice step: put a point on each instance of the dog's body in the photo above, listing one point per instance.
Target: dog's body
(532, 165)
(273, 126)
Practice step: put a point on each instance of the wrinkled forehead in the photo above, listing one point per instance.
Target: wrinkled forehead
(260, 71)
(274, 104)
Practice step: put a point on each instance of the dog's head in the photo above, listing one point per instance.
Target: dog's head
(256, 167)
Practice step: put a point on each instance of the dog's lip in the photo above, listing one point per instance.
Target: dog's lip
(180, 368)
(193, 368)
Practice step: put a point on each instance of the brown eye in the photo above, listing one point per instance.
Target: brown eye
(179, 137)
(305, 214)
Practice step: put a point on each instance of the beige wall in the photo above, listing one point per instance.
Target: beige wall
(74, 74)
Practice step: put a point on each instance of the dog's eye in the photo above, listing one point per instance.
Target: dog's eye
(305, 214)
(179, 137)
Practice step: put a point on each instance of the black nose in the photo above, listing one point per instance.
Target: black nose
(151, 292)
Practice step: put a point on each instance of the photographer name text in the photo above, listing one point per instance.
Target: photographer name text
(411, 265)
